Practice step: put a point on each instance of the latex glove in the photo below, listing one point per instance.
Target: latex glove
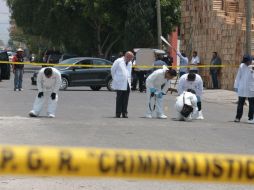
(40, 94)
(53, 96)
(152, 90)
(160, 94)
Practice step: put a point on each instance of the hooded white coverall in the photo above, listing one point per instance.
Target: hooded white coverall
(157, 80)
(196, 85)
(189, 99)
(47, 86)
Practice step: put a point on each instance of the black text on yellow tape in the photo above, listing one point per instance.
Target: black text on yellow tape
(156, 165)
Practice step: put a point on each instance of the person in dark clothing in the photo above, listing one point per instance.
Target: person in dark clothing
(168, 60)
(18, 70)
(214, 71)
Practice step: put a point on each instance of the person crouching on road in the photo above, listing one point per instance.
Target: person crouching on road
(157, 85)
(121, 74)
(48, 84)
(192, 81)
(189, 112)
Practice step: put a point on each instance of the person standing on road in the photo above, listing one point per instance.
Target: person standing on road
(121, 74)
(158, 62)
(244, 86)
(214, 71)
(18, 70)
(157, 85)
(194, 62)
(192, 81)
(48, 84)
(183, 63)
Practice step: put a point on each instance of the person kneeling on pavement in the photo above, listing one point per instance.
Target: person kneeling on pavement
(186, 106)
(48, 84)
(192, 81)
(157, 85)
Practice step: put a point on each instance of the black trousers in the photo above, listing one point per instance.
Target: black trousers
(241, 101)
(122, 99)
(138, 77)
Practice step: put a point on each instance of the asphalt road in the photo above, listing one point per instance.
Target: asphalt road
(86, 118)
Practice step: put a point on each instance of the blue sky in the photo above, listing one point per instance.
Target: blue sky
(4, 21)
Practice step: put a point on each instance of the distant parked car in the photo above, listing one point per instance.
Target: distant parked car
(10, 55)
(75, 75)
(5, 67)
(66, 56)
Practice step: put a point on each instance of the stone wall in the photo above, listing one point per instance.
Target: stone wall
(215, 25)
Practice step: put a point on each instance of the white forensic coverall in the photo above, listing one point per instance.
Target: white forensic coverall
(157, 80)
(189, 99)
(47, 86)
(196, 85)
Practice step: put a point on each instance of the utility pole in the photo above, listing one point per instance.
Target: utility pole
(158, 4)
(248, 26)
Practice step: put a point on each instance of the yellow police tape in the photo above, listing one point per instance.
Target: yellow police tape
(138, 164)
(109, 66)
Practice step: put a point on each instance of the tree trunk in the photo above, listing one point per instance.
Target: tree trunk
(111, 45)
(99, 40)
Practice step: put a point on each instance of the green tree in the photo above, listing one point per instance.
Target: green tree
(94, 27)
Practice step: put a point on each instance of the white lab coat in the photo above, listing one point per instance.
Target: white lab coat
(121, 74)
(47, 86)
(189, 99)
(244, 82)
(196, 85)
(156, 80)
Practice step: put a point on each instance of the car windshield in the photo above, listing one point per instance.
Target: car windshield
(67, 62)
(70, 61)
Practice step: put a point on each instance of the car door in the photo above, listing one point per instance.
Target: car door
(5, 68)
(100, 71)
(79, 75)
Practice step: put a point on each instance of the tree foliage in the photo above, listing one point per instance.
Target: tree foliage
(94, 27)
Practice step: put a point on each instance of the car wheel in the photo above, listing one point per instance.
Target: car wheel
(95, 88)
(109, 84)
(65, 84)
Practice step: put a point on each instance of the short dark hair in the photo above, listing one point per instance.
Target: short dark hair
(247, 58)
(48, 71)
(191, 77)
(183, 54)
(172, 72)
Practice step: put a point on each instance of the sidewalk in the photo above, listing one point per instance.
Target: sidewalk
(220, 96)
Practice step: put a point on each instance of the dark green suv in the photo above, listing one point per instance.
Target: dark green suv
(5, 67)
